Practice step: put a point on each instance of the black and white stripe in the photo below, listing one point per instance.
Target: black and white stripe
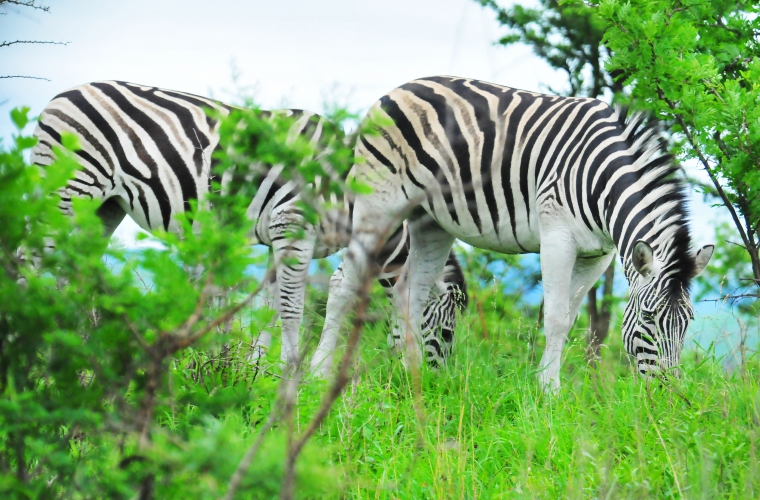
(148, 152)
(521, 172)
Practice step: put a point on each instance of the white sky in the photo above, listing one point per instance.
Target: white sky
(295, 53)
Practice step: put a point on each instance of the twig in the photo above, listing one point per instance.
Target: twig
(203, 154)
(341, 380)
(189, 340)
(737, 244)
(37, 42)
(25, 76)
(198, 312)
(137, 335)
(27, 3)
(708, 168)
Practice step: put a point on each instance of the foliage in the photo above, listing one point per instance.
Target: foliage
(696, 63)
(107, 387)
(76, 378)
(568, 37)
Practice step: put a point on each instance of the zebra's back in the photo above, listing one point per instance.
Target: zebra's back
(488, 159)
(151, 151)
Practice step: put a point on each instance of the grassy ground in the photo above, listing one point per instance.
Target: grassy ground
(481, 427)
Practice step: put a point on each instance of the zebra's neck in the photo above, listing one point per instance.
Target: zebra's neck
(645, 201)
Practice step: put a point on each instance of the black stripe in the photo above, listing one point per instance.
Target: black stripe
(89, 138)
(488, 128)
(379, 156)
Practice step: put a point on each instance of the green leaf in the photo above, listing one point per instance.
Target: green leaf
(358, 187)
(25, 142)
(19, 117)
(70, 141)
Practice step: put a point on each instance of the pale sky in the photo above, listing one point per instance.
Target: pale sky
(293, 53)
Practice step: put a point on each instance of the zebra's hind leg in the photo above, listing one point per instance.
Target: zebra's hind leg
(263, 340)
(293, 244)
(429, 250)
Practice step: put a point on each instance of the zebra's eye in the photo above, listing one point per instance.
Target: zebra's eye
(647, 316)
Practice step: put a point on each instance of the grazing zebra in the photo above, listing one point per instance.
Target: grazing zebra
(145, 152)
(521, 172)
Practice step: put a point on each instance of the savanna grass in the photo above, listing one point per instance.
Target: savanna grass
(482, 428)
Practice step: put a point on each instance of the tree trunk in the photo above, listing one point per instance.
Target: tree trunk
(599, 317)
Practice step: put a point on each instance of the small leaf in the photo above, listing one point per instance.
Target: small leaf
(25, 142)
(19, 117)
(70, 141)
(358, 187)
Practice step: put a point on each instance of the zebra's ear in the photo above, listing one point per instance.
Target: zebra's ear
(702, 258)
(643, 258)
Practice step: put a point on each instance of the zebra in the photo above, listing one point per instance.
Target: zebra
(148, 152)
(520, 172)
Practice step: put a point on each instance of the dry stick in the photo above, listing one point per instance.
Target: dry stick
(25, 76)
(190, 339)
(8, 44)
(341, 380)
(171, 342)
(285, 399)
(27, 3)
(167, 344)
(482, 319)
(414, 365)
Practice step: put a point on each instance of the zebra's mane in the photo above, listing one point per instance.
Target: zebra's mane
(671, 240)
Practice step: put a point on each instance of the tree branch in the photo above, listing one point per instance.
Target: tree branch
(38, 42)
(713, 178)
(25, 76)
(26, 3)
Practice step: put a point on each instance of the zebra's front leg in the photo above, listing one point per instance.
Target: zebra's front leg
(292, 257)
(558, 255)
(567, 279)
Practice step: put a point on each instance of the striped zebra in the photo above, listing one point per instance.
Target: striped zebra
(147, 152)
(519, 172)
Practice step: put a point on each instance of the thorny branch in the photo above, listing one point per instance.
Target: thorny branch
(8, 44)
(25, 76)
(26, 3)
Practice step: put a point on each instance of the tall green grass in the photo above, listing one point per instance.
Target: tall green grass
(482, 428)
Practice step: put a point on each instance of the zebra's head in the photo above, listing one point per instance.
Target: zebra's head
(449, 295)
(659, 310)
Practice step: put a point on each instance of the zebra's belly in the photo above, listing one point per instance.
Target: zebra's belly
(524, 238)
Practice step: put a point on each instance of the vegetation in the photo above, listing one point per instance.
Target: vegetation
(129, 376)
(114, 388)
(696, 65)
